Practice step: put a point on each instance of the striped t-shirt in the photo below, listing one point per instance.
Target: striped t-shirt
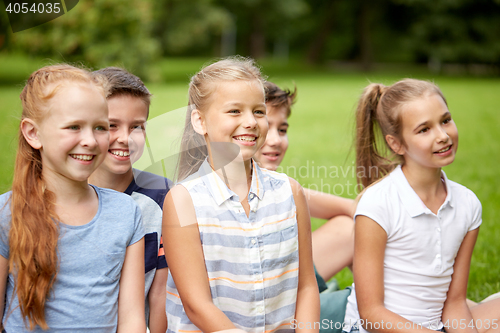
(252, 262)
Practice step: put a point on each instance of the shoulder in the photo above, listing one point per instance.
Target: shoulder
(178, 195)
(379, 192)
(462, 195)
(5, 208)
(144, 179)
(5, 201)
(380, 202)
(153, 186)
(275, 180)
(115, 201)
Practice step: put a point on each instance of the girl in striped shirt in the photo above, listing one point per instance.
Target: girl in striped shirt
(237, 237)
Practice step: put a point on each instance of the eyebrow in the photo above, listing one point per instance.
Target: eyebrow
(134, 122)
(238, 104)
(447, 113)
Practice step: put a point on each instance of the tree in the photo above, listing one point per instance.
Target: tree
(99, 32)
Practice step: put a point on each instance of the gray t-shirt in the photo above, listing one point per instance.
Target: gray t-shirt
(84, 297)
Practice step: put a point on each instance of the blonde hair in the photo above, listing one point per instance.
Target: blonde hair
(201, 87)
(379, 114)
(33, 232)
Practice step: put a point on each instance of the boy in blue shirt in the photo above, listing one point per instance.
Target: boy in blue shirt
(128, 104)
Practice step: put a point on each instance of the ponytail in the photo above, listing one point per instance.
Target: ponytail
(33, 236)
(193, 149)
(369, 155)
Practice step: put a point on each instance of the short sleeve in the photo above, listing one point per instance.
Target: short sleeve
(5, 218)
(476, 212)
(374, 204)
(139, 231)
(162, 261)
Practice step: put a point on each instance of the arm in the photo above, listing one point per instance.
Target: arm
(368, 271)
(307, 308)
(4, 273)
(157, 299)
(131, 295)
(455, 307)
(325, 206)
(184, 253)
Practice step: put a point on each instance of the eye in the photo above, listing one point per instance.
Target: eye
(447, 120)
(101, 128)
(139, 127)
(423, 130)
(74, 127)
(283, 131)
(260, 112)
(112, 126)
(234, 111)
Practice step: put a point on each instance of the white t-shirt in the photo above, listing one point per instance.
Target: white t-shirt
(421, 246)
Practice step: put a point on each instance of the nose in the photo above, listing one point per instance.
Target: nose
(88, 139)
(442, 135)
(273, 138)
(122, 136)
(250, 121)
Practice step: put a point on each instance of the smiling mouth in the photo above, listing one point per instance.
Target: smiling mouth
(443, 150)
(120, 153)
(82, 157)
(245, 138)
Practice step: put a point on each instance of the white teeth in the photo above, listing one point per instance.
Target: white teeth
(245, 138)
(444, 149)
(83, 157)
(120, 153)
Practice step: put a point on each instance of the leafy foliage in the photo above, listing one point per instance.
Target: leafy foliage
(102, 32)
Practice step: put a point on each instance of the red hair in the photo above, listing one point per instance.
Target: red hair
(34, 231)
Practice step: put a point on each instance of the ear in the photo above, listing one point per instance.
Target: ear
(30, 132)
(198, 122)
(395, 144)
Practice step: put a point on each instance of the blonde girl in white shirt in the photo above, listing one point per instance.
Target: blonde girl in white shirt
(415, 229)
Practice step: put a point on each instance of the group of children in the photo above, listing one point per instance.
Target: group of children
(85, 239)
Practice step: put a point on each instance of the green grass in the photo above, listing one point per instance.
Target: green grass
(321, 135)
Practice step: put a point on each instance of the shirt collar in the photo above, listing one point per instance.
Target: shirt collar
(257, 186)
(410, 199)
(219, 190)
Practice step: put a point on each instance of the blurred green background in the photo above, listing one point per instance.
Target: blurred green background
(329, 49)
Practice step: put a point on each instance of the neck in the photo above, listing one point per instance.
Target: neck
(103, 178)
(237, 174)
(427, 183)
(67, 190)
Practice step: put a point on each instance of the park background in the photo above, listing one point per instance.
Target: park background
(329, 49)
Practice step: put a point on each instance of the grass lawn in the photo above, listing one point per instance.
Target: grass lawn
(320, 154)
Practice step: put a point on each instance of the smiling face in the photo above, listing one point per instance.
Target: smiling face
(127, 119)
(74, 136)
(236, 113)
(273, 151)
(429, 132)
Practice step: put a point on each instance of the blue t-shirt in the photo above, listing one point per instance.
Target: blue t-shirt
(84, 297)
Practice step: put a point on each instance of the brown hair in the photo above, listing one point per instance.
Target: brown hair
(121, 82)
(379, 114)
(280, 98)
(33, 233)
(202, 85)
